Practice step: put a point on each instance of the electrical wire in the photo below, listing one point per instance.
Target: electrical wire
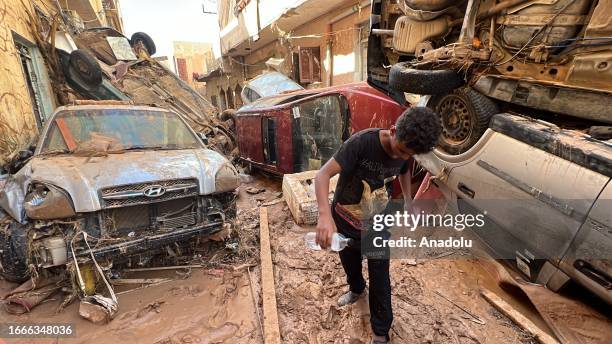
(537, 33)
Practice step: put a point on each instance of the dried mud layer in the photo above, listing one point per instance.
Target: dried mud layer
(214, 304)
(308, 283)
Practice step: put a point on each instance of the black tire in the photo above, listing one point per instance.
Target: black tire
(85, 68)
(14, 252)
(227, 115)
(146, 40)
(410, 80)
(465, 115)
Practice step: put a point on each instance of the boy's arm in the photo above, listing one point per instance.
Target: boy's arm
(406, 184)
(325, 225)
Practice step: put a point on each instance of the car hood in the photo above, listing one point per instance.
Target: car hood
(83, 177)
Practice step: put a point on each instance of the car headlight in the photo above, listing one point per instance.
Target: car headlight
(48, 202)
(226, 179)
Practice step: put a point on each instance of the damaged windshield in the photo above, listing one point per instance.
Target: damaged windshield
(116, 130)
(321, 126)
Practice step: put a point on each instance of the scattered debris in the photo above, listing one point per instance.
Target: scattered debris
(472, 318)
(253, 190)
(31, 293)
(95, 313)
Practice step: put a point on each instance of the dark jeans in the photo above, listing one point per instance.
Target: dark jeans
(379, 295)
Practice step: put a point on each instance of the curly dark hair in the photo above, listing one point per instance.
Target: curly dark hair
(419, 129)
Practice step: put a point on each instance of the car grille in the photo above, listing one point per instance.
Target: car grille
(165, 215)
(135, 194)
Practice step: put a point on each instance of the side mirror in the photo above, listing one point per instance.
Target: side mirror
(203, 138)
(25, 154)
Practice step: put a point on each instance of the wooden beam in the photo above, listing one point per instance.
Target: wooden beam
(270, 312)
(517, 317)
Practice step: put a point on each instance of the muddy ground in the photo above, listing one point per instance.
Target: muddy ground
(215, 303)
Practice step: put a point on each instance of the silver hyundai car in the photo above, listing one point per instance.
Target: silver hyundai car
(111, 182)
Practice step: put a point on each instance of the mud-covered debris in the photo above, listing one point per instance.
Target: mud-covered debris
(253, 190)
(94, 313)
(30, 294)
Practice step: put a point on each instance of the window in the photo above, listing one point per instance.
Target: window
(237, 92)
(269, 140)
(36, 79)
(320, 126)
(181, 68)
(250, 95)
(230, 98)
(214, 101)
(223, 100)
(309, 64)
(116, 130)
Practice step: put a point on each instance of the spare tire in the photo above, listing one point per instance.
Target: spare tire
(146, 40)
(14, 253)
(410, 80)
(84, 68)
(465, 115)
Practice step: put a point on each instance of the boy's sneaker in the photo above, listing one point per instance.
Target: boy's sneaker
(378, 340)
(348, 298)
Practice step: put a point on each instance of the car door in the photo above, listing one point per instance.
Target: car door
(588, 259)
(534, 193)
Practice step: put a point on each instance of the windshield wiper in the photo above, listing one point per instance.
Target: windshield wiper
(167, 147)
(57, 152)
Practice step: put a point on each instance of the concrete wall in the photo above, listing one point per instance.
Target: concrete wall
(336, 34)
(17, 121)
(197, 57)
(341, 26)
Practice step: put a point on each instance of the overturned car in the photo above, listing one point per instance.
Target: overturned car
(113, 183)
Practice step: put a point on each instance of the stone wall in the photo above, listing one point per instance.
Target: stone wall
(17, 121)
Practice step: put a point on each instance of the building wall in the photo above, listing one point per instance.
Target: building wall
(337, 34)
(18, 124)
(230, 81)
(197, 57)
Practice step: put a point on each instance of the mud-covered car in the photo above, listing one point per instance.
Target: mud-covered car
(136, 180)
(480, 58)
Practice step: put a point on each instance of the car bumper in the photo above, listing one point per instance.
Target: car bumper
(151, 243)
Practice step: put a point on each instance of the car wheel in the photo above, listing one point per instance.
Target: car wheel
(146, 40)
(410, 80)
(465, 115)
(14, 252)
(85, 68)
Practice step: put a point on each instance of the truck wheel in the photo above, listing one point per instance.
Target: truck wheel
(465, 115)
(14, 252)
(410, 80)
(85, 68)
(146, 40)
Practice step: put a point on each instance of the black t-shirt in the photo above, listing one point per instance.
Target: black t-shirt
(362, 157)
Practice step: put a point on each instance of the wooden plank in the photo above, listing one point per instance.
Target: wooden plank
(270, 312)
(517, 317)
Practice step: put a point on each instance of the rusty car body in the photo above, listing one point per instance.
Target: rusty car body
(300, 131)
(134, 179)
(481, 57)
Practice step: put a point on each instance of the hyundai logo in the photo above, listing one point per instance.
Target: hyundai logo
(154, 191)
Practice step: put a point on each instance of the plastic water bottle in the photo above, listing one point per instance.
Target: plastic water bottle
(339, 242)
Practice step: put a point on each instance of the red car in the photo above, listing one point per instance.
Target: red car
(300, 131)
